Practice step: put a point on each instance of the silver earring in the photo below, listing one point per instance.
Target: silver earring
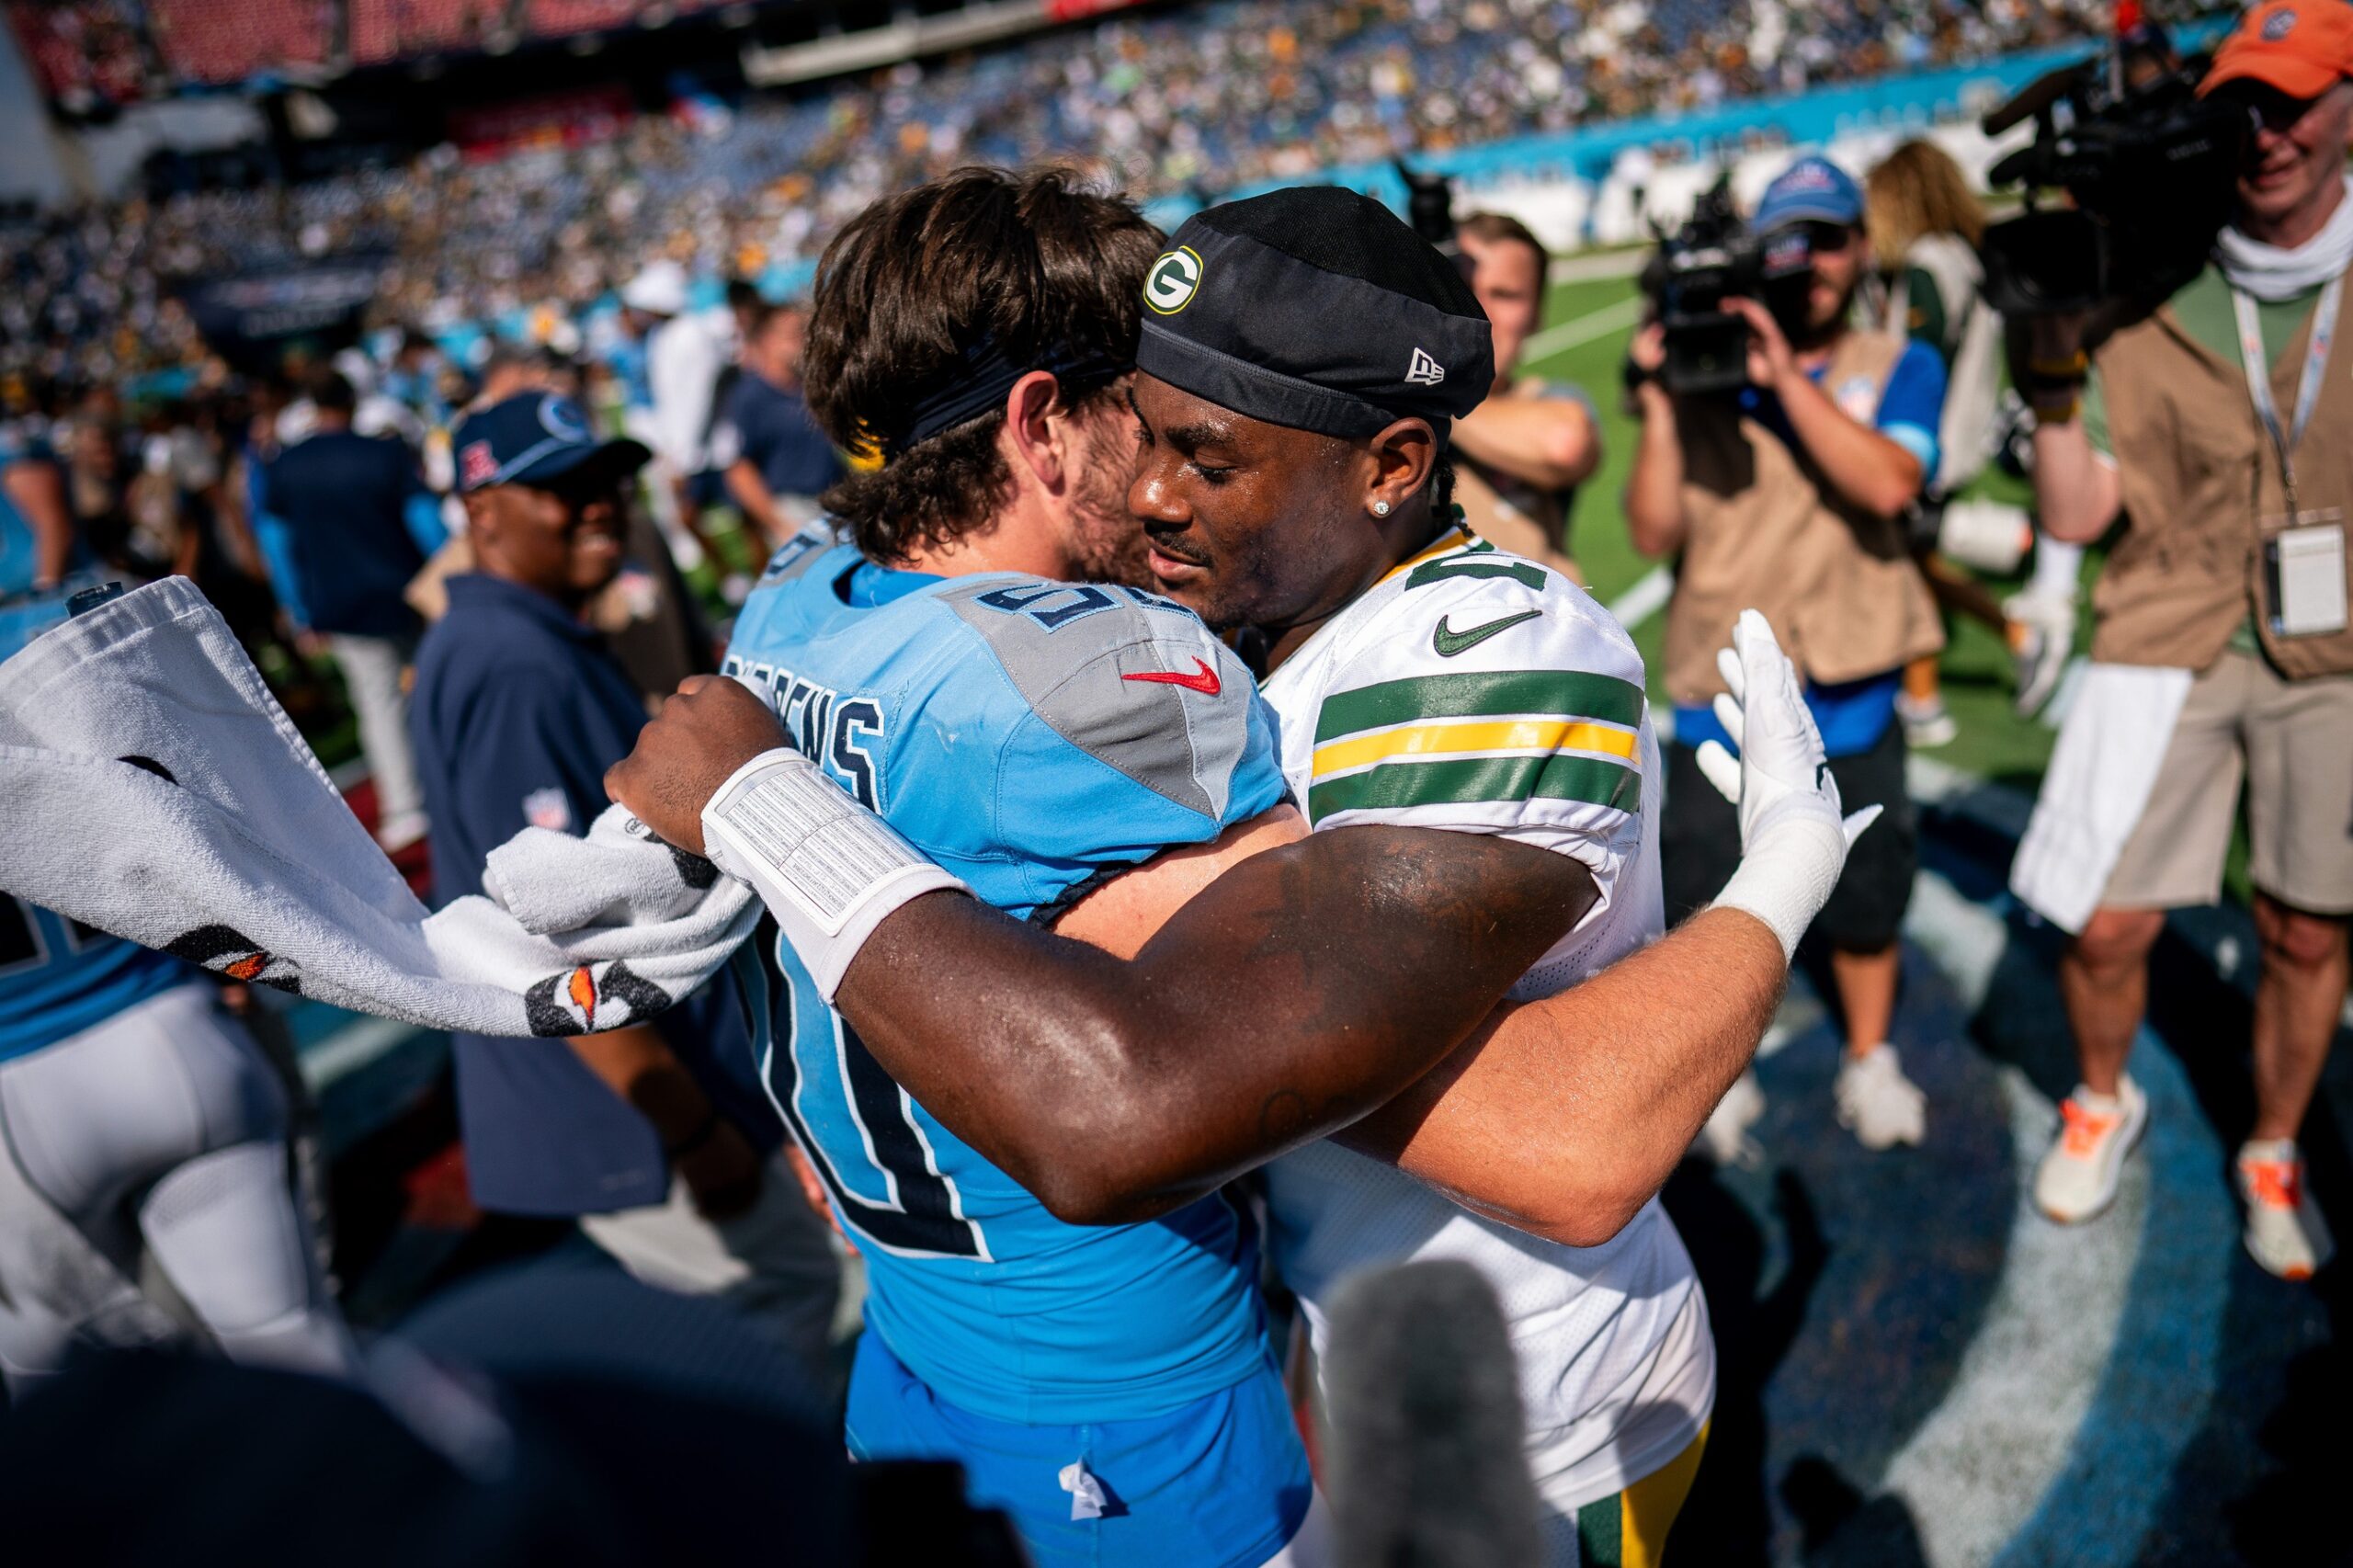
(1380, 508)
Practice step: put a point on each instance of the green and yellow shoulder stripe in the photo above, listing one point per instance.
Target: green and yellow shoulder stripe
(1488, 735)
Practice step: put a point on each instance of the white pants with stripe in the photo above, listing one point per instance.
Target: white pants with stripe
(156, 1136)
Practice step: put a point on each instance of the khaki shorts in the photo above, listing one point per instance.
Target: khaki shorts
(2293, 742)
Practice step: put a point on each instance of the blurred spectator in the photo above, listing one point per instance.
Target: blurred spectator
(37, 540)
(670, 1160)
(144, 1175)
(668, 400)
(778, 462)
(1519, 456)
(346, 522)
(2218, 432)
(1789, 496)
(1925, 226)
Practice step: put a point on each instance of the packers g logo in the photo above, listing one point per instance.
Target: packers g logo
(1174, 280)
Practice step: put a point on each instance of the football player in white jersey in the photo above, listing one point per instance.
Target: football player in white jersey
(1473, 731)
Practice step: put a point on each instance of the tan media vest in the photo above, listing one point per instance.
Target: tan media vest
(1767, 531)
(1508, 526)
(2202, 491)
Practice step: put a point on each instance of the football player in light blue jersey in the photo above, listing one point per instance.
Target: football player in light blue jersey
(1258, 990)
(136, 1114)
(1112, 1388)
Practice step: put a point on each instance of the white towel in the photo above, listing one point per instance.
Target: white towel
(157, 790)
(2101, 773)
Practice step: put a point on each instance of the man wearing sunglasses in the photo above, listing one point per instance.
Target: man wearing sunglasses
(2220, 428)
(1789, 496)
(651, 1137)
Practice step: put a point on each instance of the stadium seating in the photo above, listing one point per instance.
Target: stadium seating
(221, 42)
(382, 30)
(559, 18)
(83, 53)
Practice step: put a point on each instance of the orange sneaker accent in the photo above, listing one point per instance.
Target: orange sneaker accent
(2085, 1128)
(2275, 1184)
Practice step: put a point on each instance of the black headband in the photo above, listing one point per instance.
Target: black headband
(986, 374)
(1317, 308)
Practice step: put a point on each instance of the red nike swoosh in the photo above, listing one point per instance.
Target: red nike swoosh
(1203, 680)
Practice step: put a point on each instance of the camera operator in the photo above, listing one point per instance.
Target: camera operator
(1519, 456)
(2220, 426)
(1789, 495)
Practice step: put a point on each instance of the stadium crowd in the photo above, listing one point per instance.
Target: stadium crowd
(1211, 97)
(509, 559)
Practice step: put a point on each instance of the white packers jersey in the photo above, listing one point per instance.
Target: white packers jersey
(1472, 692)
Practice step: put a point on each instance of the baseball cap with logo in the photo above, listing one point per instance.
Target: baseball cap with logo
(534, 438)
(2300, 47)
(1318, 308)
(1812, 190)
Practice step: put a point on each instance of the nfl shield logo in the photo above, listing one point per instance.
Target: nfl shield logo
(548, 809)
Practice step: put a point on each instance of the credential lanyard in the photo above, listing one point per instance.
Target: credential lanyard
(2259, 375)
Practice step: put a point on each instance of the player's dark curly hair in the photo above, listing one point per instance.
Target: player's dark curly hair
(1032, 262)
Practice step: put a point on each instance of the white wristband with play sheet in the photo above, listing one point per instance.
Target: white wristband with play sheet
(828, 869)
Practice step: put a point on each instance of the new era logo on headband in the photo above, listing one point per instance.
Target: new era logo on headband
(1425, 371)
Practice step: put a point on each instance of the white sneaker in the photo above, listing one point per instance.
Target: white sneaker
(2284, 1232)
(2078, 1178)
(2042, 653)
(1878, 1103)
(1724, 1139)
(1925, 723)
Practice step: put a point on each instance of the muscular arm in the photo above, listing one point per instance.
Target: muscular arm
(1562, 1118)
(1299, 991)
(1548, 441)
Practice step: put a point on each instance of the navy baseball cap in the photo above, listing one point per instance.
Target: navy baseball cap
(1812, 190)
(534, 438)
(1315, 307)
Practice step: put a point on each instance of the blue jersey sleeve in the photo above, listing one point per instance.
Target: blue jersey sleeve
(1913, 406)
(1128, 729)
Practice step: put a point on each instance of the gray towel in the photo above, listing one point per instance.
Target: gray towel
(157, 790)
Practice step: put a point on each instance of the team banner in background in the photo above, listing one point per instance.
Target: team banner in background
(250, 318)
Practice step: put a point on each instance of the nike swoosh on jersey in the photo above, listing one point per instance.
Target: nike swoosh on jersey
(1448, 642)
(1203, 680)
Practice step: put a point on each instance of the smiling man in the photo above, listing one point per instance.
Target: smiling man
(667, 1160)
(1468, 726)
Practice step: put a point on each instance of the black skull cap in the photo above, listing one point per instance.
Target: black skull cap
(1318, 308)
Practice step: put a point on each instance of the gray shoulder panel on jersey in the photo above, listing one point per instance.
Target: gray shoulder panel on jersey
(1133, 681)
(797, 554)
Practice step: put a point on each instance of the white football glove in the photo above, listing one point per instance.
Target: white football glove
(1793, 839)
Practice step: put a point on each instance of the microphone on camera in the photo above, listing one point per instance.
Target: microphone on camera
(1427, 1464)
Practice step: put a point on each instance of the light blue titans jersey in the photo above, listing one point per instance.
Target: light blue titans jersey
(58, 977)
(1035, 738)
